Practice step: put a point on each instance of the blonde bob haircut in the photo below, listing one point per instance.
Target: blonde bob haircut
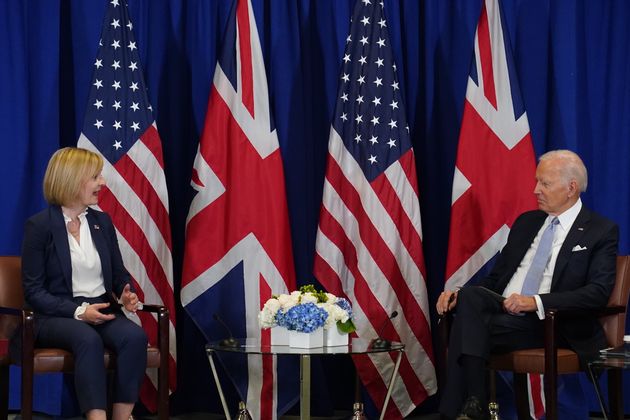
(68, 170)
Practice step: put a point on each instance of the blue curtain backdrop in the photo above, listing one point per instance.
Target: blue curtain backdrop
(572, 59)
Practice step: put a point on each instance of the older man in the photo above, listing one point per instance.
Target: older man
(561, 256)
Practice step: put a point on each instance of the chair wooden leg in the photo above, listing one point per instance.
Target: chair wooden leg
(521, 396)
(27, 393)
(492, 384)
(163, 404)
(551, 397)
(615, 393)
(4, 392)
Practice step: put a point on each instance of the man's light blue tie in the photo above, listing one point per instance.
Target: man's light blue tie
(541, 258)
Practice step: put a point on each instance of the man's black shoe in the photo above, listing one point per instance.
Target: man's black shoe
(473, 410)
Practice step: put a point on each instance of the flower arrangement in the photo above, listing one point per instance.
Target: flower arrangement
(306, 310)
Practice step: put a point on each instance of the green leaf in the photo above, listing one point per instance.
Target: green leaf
(346, 327)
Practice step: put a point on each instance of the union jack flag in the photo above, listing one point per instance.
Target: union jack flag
(119, 125)
(369, 241)
(494, 174)
(238, 243)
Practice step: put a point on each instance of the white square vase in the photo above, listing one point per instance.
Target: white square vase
(333, 337)
(306, 340)
(279, 336)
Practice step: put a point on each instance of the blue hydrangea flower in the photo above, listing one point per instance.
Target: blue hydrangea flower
(306, 317)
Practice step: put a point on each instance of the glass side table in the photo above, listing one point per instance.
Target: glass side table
(253, 346)
(613, 365)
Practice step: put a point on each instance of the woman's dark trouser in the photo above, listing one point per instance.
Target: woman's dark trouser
(86, 342)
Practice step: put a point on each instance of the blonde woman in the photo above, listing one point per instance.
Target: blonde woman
(73, 277)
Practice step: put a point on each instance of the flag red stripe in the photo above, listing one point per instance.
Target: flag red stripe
(365, 297)
(244, 35)
(408, 164)
(130, 230)
(390, 200)
(380, 253)
(535, 394)
(485, 56)
(139, 183)
(267, 391)
(151, 139)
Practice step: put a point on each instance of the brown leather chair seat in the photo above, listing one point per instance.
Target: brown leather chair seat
(50, 360)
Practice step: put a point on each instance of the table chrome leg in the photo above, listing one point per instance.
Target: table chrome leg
(392, 381)
(305, 387)
(218, 384)
(598, 391)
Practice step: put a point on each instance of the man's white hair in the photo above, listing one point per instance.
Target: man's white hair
(572, 167)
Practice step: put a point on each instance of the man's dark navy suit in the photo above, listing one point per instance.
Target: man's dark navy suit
(583, 278)
(47, 282)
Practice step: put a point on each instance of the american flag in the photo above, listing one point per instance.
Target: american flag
(369, 241)
(495, 169)
(119, 126)
(238, 242)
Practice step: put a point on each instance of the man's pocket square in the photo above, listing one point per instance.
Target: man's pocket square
(578, 248)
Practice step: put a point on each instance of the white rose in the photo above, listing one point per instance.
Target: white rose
(309, 298)
(267, 318)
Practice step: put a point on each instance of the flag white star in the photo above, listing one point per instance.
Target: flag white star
(116, 23)
(381, 42)
(129, 25)
(359, 118)
(98, 84)
(365, 20)
(395, 85)
(346, 58)
(134, 86)
(116, 125)
(373, 140)
(366, 2)
(117, 144)
(98, 124)
(116, 64)
(98, 104)
(382, 23)
(372, 159)
(361, 79)
(132, 46)
(116, 44)
(364, 40)
(349, 38)
(345, 77)
(376, 101)
(344, 97)
(362, 60)
(116, 85)
(135, 126)
(379, 62)
(378, 81)
(359, 99)
(116, 105)
(394, 105)
(98, 63)
(392, 124)
(391, 143)
(133, 66)
(357, 138)
(344, 116)
(114, 3)
(134, 106)
(375, 120)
